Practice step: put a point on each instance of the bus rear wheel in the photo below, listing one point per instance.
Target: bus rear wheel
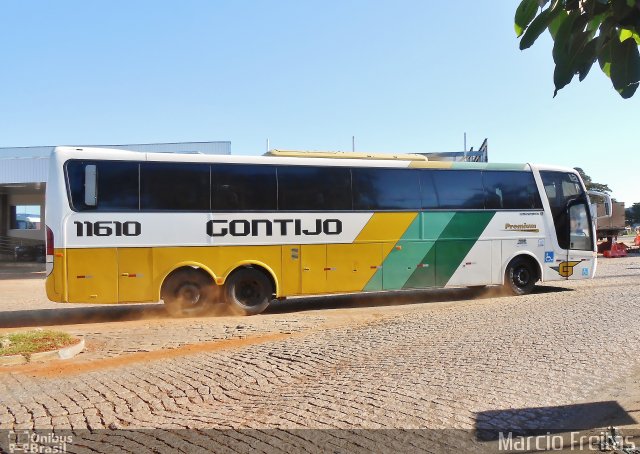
(188, 293)
(520, 276)
(248, 291)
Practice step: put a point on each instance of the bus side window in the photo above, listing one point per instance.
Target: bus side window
(116, 185)
(510, 190)
(459, 189)
(174, 186)
(386, 189)
(309, 188)
(493, 199)
(428, 194)
(227, 197)
(238, 187)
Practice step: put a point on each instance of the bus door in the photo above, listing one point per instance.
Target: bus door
(580, 257)
(574, 231)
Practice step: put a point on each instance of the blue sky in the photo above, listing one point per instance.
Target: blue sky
(401, 76)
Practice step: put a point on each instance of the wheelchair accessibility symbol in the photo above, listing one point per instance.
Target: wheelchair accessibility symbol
(549, 257)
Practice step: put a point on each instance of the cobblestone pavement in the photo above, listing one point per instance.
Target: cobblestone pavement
(493, 362)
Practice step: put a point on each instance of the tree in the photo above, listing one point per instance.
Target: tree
(584, 31)
(632, 214)
(592, 185)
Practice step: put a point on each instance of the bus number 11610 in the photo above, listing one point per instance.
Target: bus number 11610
(108, 228)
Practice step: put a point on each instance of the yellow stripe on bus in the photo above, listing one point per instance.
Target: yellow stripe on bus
(431, 165)
(385, 227)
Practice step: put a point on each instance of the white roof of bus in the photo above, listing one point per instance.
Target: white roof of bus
(64, 153)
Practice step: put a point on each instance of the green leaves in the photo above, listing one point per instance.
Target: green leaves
(539, 24)
(625, 67)
(573, 49)
(626, 34)
(585, 31)
(586, 58)
(604, 57)
(524, 15)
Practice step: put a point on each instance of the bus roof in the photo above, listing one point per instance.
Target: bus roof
(337, 159)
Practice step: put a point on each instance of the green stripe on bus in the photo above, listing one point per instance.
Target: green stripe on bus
(421, 273)
(456, 241)
(488, 166)
(424, 275)
(500, 166)
(414, 263)
(401, 263)
(381, 276)
(433, 223)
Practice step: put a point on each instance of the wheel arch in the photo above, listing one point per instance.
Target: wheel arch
(183, 266)
(260, 266)
(528, 256)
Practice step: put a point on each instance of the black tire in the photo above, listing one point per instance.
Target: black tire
(248, 292)
(520, 276)
(189, 293)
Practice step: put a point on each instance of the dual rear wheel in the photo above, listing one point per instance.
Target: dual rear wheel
(190, 292)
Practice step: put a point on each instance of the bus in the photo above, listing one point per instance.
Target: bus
(196, 231)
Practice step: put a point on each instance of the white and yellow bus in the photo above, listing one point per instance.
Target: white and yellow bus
(195, 230)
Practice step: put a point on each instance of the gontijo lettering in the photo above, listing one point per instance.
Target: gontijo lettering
(265, 227)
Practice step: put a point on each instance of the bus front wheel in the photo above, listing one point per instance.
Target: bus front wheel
(248, 292)
(188, 293)
(520, 276)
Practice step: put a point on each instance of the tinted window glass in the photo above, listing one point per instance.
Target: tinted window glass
(314, 188)
(580, 228)
(510, 191)
(174, 186)
(428, 190)
(459, 189)
(561, 188)
(117, 185)
(244, 187)
(386, 189)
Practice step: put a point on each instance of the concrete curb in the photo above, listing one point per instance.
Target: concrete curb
(13, 360)
(63, 353)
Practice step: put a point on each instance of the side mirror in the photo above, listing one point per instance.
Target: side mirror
(91, 185)
(608, 206)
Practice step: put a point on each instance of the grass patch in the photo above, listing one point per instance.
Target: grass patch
(35, 341)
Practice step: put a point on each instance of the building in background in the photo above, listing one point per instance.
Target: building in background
(23, 178)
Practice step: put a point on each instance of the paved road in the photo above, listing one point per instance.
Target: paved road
(539, 361)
